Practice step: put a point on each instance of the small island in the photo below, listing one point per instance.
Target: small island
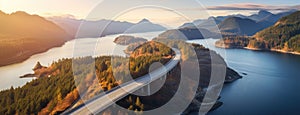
(126, 40)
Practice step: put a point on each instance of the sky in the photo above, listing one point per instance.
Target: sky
(168, 12)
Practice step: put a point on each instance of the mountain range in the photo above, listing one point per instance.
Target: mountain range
(85, 28)
(239, 24)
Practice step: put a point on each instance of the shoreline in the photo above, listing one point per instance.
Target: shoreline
(272, 50)
(27, 55)
(29, 75)
(256, 49)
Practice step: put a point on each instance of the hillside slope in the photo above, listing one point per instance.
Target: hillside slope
(22, 35)
(284, 35)
(240, 26)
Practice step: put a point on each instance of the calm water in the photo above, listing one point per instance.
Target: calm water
(271, 87)
(9, 75)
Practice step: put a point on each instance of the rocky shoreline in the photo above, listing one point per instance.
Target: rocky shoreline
(232, 76)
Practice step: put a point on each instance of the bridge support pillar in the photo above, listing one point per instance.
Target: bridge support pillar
(148, 88)
(142, 89)
(163, 77)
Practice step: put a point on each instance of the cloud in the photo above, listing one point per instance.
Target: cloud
(251, 6)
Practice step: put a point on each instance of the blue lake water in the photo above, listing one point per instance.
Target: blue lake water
(271, 87)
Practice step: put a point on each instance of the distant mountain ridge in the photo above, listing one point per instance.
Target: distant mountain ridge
(241, 26)
(145, 26)
(202, 23)
(238, 24)
(187, 34)
(22, 35)
(103, 27)
(264, 15)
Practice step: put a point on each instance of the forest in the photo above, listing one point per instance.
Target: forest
(283, 35)
(54, 93)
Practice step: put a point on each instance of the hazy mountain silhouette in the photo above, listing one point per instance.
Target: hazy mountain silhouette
(187, 34)
(267, 16)
(145, 26)
(103, 27)
(209, 24)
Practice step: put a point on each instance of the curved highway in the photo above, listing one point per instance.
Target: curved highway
(101, 102)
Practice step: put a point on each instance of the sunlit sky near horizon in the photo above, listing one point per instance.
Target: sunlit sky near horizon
(168, 12)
